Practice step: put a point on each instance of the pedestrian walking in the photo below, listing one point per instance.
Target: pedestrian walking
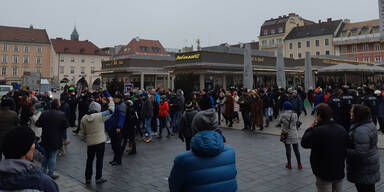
(289, 131)
(256, 111)
(363, 164)
(185, 133)
(328, 143)
(147, 114)
(229, 109)
(163, 116)
(130, 126)
(245, 108)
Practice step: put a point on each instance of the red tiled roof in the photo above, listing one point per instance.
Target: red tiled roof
(76, 47)
(24, 35)
(134, 47)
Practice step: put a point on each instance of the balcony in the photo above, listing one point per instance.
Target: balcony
(367, 38)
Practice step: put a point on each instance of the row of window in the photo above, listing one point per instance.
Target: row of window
(365, 48)
(272, 42)
(300, 55)
(16, 48)
(368, 60)
(73, 60)
(72, 70)
(146, 49)
(308, 43)
(273, 31)
(15, 59)
(15, 70)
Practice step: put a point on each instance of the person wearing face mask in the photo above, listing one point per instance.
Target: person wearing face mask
(17, 172)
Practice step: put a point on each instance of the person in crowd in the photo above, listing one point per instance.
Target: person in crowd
(209, 160)
(275, 98)
(380, 111)
(52, 122)
(8, 119)
(229, 109)
(185, 133)
(64, 107)
(130, 126)
(296, 102)
(363, 164)
(328, 143)
(155, 117)
(156, 95)
(288, 124)
(17, 172)
(72, 101)
(137, 106)
(114, 125)
(267, 106)
(372, 102)
(347, 100)
(26, 111)
(303, 96)
(163, 116)
(83, 104)
(180, 100)
(311, 99)
(204, 101)
(317, 98)
(220, 107)
(92, 126)
(256, 111)
(334, 102)
(236, 107)
(245, 108)
(147, 114)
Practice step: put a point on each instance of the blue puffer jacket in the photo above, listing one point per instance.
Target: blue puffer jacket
(209, 167)
(118, 117)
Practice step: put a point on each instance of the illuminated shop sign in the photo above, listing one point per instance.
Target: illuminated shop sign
(188, 57)
(257, 59)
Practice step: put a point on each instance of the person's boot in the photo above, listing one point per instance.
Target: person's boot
(100, 181)
(299, 166)
(288, 166)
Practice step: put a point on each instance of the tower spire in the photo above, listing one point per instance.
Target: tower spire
(74, 35)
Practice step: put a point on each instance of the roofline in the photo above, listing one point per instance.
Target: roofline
(25, 42)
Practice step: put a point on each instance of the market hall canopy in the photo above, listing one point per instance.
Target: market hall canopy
(345, 67)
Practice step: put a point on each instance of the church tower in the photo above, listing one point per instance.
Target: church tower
(75, 35)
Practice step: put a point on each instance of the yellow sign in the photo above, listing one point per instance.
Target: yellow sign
(188, 57)
(257, 59)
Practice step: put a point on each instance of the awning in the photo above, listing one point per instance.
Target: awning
(345, 67)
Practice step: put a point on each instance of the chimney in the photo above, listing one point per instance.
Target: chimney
(329, 20)
(31, 26)
(137, 38)
(319, 21)
(292, 14)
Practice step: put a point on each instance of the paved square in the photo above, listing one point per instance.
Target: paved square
(260, 164)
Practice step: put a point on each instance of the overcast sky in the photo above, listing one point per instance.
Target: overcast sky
(176, 23)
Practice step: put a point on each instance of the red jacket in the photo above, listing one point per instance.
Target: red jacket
(164, 109)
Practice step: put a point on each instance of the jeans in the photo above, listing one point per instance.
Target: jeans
(175, 121)
(163, 124)
(268, 115)
(365, 187)
(295, 149)
(49, 162)
(326, 186)
(39, 148)
(247, 123)
(116, 145)
(147, 125)
(98, 151)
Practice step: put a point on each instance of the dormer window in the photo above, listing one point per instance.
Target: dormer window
(82, 50)
(272, 31)
(265, 32)
(280, 30)
(156, 49)
(144, 48)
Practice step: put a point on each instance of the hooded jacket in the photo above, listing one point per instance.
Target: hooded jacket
(116, 121)
(22, 175)
(210, 166)
(92, 125)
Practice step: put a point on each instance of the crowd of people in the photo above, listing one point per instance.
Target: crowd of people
(344, 129)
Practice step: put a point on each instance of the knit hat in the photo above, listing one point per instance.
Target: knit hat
(18, 142)
(189, 105)
(204, 120)
(94, 106)
(287, 105)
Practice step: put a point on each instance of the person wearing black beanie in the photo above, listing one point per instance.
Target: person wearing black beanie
(17, 172)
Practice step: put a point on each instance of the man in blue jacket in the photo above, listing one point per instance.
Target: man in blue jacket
(210, 165)
(114, 126)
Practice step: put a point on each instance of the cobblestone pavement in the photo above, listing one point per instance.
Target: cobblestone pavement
(260, 164)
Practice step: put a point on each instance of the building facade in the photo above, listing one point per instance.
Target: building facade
(23, 50)
(360, 41)
(274, 31)
(314, 38)
(76, 62)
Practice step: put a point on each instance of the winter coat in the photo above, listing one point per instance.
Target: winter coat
(92, 125)
(67, 110)
(328, 142)
(285, 118)
(8, 121)
(186, 124)
(296, 104)
(229, 106)
(220, 104)
(53, 122)
(245, 103)
(147, 108)
(83, 102)
(209, 166)
(236, 106)
(319, 98)
(164, 109)
(116, 121)
(257, 111)
(22, 175)
(363, 164)
(380, 108)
